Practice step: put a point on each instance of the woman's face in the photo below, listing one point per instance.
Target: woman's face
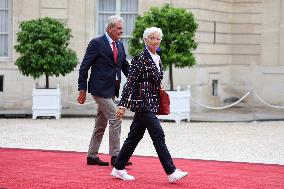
(153, 42)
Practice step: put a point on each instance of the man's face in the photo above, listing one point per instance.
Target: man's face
(116, 32)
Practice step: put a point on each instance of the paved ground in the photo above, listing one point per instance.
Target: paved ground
(238, 114)
(257, 142)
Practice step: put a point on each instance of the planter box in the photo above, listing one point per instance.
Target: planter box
(179, 105)
(47, 102)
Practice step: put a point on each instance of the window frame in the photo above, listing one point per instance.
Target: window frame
(9, 33)
(117, 12)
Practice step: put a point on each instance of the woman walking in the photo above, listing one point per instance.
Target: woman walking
(141, 95)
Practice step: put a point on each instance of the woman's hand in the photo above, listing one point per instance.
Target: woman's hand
(120, 112)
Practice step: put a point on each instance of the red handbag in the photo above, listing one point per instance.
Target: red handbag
(164, 103)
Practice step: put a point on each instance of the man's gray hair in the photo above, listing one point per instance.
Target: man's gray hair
(114, 19)
(150, 31)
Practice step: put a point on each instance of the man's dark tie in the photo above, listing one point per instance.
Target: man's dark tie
(114, 51)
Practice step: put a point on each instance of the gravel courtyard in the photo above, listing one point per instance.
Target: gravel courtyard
(255, 142)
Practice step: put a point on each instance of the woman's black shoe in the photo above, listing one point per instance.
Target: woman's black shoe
(113, 158)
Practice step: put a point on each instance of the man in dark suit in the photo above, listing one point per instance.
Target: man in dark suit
(106, 57)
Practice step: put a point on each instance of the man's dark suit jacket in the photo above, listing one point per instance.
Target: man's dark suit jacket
(141, 91)
(99, 57)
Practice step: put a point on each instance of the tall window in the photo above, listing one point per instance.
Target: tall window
(1, 83)
(4, 28)
(127, 9)
(214, 87)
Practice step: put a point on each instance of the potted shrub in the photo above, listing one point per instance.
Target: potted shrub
(43, 48)
(179, 27)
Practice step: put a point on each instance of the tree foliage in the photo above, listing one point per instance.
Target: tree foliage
(178, 43)
(43, 47)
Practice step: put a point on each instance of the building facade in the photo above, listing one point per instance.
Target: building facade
(240, 45)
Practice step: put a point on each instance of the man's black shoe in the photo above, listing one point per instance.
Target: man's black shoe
(96, 161)
(113, 158)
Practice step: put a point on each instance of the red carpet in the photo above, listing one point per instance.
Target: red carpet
(22, 169)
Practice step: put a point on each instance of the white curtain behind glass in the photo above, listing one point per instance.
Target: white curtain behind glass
(106, 9)
(127, 9)
(4, 28)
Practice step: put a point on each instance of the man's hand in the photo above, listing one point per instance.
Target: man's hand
(120, 112)
(82, 97)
